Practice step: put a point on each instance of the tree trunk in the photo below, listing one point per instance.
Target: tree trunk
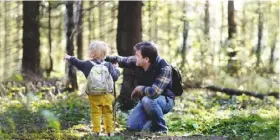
(273, 47)
(79, 16)
(185, 36)
(169, 26)
(31, 35)
(90, 22)
(221, 31)
(150, 19)
(50, 41)
(19, 27)
(155, 19)
(184, 47)
(231, 21)
(232, 63)
(260, 34)
(2, 53)
(206, 20)
(129, 33)
(243, 26)
(71, 72)
(6, 35)
(206, 31)
(101, 21)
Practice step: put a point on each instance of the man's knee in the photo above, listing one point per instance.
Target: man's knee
(146, 101)
(148, 104)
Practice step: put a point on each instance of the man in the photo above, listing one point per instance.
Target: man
(154, 83)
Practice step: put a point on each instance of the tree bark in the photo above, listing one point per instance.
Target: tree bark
(50, 41)
(91, 22)
(232, 63)
(101, 22)
(71, 72)
(273, 47)
(260, 35)
(79, 16)
(129, 32)
(184, 46)
(31, 35)
(231, 21)
(6, 35)
(150, 19)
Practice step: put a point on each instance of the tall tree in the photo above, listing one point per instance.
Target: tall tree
(101, 10)
(207, 28)
(30, 39)
(50, 40)
(19, 27)
(231, 21)
(6, 35)
(273, 39)
(273, 47)
(129, 32)
(91, 22)
(260, 34)
(232, 64)
(185, 36)
(169, 25)
(78, 20)
(150, 19)
(71, 72)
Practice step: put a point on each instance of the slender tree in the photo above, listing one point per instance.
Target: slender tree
(79, 27)
(260, 34)
(91, 22)
(101, 11)
(231, 21)
(6, 35)
(50, 40)
(71, 72)
(232, 66)
(185, 36)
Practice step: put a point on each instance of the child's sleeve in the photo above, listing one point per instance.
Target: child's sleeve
(115, 73)
(79, 64)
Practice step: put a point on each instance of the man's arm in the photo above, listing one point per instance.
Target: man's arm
(124, 62)
(161, 82)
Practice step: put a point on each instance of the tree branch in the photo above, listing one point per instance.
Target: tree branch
(230, 91)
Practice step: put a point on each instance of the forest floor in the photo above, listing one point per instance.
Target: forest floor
(198, 114)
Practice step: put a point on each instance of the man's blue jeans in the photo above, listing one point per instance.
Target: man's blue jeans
(148, 114)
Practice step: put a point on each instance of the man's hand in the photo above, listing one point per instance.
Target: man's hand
(116, 65)
(112, 59)
(67, 57)
(136, 93)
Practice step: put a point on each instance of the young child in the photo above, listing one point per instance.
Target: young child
(100, 76)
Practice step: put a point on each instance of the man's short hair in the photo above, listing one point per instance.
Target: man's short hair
(148, 49)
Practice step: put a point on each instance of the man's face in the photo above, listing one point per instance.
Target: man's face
(140, 61)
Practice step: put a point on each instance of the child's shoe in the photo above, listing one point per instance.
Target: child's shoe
(94, 134)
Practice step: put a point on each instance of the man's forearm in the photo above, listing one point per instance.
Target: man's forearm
(124, 62)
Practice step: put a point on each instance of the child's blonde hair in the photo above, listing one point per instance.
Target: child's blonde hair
(98, 49)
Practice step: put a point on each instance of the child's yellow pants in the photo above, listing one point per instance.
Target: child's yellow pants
(101, 105)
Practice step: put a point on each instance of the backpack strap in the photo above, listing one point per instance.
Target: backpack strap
(92, 62)
(102, 63)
